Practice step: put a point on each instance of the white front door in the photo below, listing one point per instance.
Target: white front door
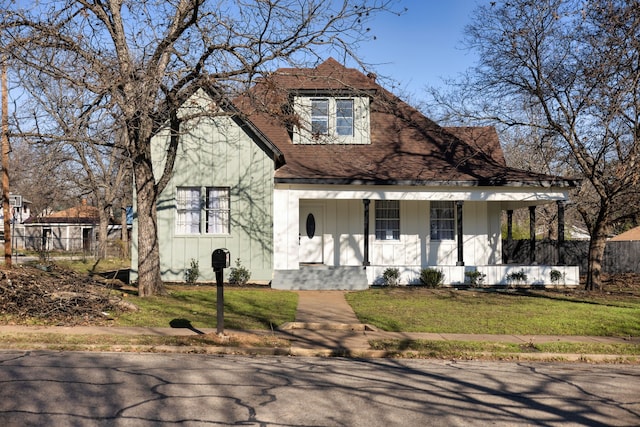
(310, 234)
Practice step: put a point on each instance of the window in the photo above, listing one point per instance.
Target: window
(387, 220)
(188, 210)
(443, 218)
(319, 116)
(218, 210)
(344, 117)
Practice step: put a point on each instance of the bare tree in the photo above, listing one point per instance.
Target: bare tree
(576, 64)
(140, 59)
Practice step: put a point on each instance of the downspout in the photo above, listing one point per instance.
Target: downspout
(459, 204)
(366, 203)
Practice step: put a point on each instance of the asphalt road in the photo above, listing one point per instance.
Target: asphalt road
(45, 388)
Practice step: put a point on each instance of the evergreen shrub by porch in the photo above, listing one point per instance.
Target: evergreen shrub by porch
(431, 277)
(192, 273)
(239, 274)
(391, 276)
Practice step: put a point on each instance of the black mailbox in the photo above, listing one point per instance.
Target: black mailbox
(220, 258)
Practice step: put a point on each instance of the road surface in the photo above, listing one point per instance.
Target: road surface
(127, 389)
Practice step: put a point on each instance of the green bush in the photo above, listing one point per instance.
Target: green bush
(431, 277)
(475, 277)
(193, 272)
(517, 277)
(556, 276)
(239, 274)
(391, 276)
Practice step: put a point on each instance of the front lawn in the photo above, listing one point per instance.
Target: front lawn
(244, 309)
(497, 312)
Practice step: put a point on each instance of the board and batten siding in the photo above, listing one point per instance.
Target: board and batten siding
(216, 152)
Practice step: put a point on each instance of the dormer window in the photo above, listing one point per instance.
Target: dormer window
(319, 116)
(344, 117)
(327, 120)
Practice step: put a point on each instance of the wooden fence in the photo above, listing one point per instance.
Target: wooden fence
(619, 256)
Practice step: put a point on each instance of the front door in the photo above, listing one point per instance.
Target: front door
(310, 235)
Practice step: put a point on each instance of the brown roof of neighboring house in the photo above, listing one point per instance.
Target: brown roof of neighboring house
(633, 234)
(81, 214)
(406, 147)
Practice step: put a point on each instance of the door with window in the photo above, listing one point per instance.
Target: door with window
(310, 235)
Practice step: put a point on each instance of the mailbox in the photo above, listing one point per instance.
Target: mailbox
(220, 259)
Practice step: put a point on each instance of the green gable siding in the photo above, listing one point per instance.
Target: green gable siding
(217, 152)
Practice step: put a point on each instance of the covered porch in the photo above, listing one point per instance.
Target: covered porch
(331, 238)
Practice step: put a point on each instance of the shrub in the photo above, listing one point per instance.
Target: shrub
(556, 276)
(475, 277)
(193, 272)
(431, 278)
(239, 274)
(391, 276)
(517, 277)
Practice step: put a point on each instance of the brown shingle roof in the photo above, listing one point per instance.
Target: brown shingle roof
(81, 214)
(406, 147)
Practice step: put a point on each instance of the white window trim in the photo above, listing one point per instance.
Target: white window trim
(453, 219)
(360, 127)
(221, 214)
(387, 230)
(186, 213)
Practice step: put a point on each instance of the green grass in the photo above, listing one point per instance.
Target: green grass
(244, 309)
(476, 312)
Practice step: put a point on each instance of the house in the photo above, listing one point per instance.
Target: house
(68, 230)
(320, 178)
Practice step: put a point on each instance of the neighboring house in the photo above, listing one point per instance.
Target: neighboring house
(631, 235)
(73, 229)
(337, 182)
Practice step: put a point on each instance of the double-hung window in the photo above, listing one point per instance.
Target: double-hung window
(319, 117)
(218, 210)
(387, 220)
(188, 210)
(443, 220)
(344, 117)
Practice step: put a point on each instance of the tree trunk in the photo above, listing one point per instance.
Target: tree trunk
(149, 279)
(597, 246)
(103, 231)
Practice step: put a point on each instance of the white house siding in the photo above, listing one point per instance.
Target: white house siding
(217, 153)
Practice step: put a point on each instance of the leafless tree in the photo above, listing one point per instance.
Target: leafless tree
(576, 64)
(140, 59)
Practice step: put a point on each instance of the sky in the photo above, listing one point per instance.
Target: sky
(423, 45)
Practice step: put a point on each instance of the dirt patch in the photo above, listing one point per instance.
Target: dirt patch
(48, 294)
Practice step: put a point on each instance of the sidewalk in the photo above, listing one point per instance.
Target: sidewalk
(325, 325)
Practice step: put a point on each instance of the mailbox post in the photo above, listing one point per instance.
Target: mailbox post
(220, 259)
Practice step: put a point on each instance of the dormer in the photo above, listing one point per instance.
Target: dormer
(331, 118)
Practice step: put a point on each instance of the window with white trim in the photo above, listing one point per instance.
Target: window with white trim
(344, 117)
(443, 220)
(218, 210)
(387, 220)
(328, 120)
(188, 210)
(319, 117)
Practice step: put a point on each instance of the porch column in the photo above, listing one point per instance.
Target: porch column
(366, 262)
(560, 232)
(532, 235)
(509, 225)
(459, 204)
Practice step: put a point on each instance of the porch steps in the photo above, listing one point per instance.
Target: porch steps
(320, 278)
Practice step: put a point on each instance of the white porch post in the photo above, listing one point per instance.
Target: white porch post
(459, 204)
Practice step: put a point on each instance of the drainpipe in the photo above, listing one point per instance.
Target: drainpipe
(532, 235)
(366, 262)
(459, 204)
